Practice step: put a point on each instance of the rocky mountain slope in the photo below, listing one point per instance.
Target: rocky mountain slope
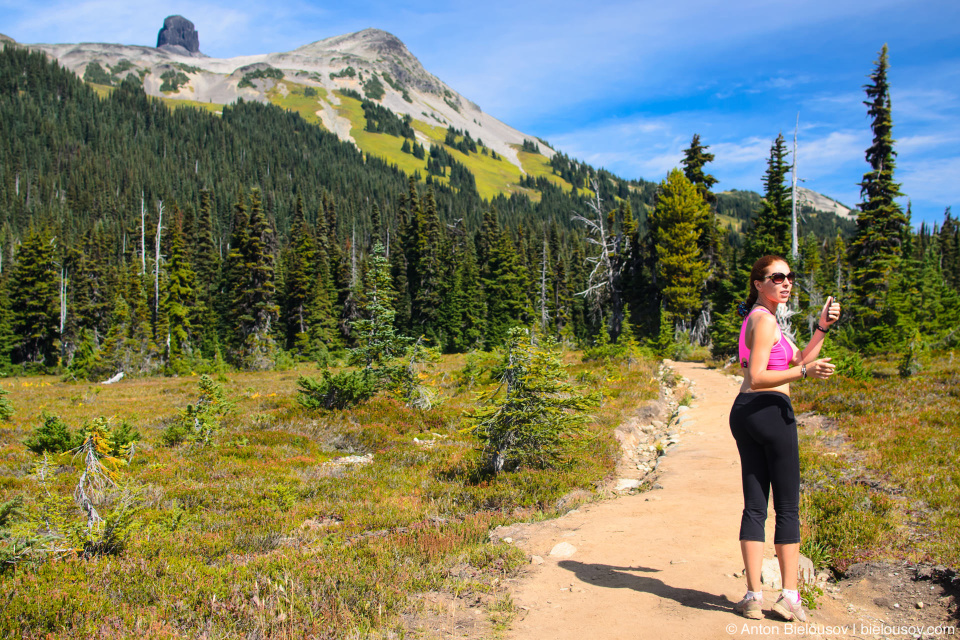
(823, 203)
(327, 82)
(373, 63)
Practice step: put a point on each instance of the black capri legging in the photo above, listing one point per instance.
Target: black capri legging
(765, 429)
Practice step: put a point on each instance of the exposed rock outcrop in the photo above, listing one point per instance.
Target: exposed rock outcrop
(177, 31)
(4, 38)
(380, 50)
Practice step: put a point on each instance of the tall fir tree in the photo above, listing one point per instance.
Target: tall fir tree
(771, 227)
(504, 285)
(695, 158)
(677, 221)
(427, 294)
(35, 300)
(462, 306)
(299, 283)
(715, 295)
(232, 277)
(950, 249)
(205, 254)
(8, 339)
(400, 266)
(141, 355)
(181, 297)
(377, 339)
(876, 250)
(255, 300)
(323, 321)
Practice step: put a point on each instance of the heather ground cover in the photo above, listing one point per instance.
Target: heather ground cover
(881, 473)
(262, 534)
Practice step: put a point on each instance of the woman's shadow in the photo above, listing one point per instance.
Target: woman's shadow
(604, 575)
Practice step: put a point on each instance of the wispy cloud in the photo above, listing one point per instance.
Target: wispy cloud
(932, 182)
(750, 151)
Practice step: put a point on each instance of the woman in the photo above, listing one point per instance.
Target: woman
(765, 429)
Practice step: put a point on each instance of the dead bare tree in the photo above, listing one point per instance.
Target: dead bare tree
(544, 311)
(603, 281)
(143, 234)
(156, 265)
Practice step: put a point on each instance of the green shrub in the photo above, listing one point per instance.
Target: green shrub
(175, 433)
(52, 436)
(475, 370)
(849, 363)
(114, 533)
(6, 407)
(539, 417)
(200, 422)
(122, 438)
(345, 389)
(846, 522)
(8, 511)
(818, 553)
(909, 363)
(309, 92)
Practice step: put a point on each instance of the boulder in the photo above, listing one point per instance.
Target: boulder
(177, 31)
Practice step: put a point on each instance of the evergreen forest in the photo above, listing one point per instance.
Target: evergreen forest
(141, 239)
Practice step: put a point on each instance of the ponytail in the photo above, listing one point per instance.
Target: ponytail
(744, 306)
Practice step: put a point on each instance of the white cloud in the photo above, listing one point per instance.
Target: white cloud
(831, 154)
(749, 151)
(910, 145)
(932, 181)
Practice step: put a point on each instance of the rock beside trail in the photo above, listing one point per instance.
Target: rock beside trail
(563, 550)
(770, 573)
(177, 31)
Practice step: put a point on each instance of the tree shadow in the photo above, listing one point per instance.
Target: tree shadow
(604, 575)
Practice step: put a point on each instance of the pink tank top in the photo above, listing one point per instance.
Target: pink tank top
(780, 355)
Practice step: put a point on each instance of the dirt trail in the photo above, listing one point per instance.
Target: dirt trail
(659, 564)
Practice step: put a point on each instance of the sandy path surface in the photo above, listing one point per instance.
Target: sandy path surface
(659, 564)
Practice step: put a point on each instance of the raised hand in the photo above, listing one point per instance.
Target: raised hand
(830, 312)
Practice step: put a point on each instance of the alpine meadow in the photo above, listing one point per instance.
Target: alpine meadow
(281, 346)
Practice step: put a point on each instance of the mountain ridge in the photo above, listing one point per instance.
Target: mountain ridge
(348, 61)
(352, 62)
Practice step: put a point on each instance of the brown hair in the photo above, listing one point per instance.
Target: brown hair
(757, 273)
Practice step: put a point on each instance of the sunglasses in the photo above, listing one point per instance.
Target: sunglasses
(778, 278)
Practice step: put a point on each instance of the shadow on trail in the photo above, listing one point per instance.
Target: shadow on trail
(604, 575)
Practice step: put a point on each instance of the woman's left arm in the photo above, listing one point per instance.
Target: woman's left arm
(829, 315)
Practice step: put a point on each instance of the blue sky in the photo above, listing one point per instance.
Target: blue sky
(624, 85)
